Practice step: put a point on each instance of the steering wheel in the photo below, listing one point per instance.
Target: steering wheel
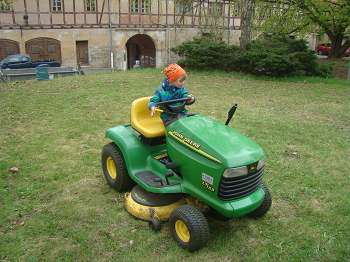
(169, 106)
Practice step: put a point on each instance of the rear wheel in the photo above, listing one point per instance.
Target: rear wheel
(114, 168)
(265, 205)
(189, 227)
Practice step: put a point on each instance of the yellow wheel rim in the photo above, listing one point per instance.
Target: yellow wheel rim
(111, 168)
(182, 231)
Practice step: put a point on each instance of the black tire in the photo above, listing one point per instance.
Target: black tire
(119, 180)
(195, 225)
(265, 205)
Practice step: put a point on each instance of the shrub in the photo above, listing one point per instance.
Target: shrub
(205, 53)
(304, 62)
(266, 57)
(280, 56)
(269, 55)
(324, 70)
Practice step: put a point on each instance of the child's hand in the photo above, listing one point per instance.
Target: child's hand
(190, 98)
(153, 110)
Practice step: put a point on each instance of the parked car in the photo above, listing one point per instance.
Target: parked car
(24, 61)
(325, 49)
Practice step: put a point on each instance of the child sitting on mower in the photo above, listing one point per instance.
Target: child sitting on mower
(172, 88)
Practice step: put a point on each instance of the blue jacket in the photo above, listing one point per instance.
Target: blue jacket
(166, 92)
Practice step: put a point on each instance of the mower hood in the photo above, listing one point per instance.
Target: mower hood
(215, 141)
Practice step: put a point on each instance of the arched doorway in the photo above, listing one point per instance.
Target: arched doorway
(44, 48)
(141, 47)
(8, 47)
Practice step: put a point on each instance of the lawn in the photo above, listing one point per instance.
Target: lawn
(58, 207)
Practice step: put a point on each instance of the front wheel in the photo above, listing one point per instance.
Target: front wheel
(189, 227)
(265, 205)
(114, 168)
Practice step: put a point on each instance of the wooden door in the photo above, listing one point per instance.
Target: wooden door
(43, 48)
(82, 52)
(8, 47)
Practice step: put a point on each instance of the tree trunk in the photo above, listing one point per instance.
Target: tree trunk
(247, 15)
(337, 48)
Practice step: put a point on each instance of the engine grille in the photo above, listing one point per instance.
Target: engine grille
(236, 187)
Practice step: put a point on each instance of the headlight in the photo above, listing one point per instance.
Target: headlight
(234, 172)
(244, 170)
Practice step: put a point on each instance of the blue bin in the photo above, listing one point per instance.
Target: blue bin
(42, 72)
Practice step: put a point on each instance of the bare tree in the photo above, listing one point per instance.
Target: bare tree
(247, 17)
(209, 13)
(211, 16)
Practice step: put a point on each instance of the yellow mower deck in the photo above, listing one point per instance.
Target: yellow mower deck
(144, 205)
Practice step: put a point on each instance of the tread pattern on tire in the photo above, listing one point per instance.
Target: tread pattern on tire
(196, 223)
(123, 182)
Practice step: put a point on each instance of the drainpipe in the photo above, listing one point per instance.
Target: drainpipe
(168, 47)
(110, 35)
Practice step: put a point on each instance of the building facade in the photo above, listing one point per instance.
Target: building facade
(110, 33)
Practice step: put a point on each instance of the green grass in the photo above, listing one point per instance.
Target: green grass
(59, 207)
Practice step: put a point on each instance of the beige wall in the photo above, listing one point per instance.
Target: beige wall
(99, 43)
(97, 40)
(164, 37)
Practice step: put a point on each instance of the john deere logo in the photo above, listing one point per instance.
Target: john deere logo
(191, 144)
(185, 139)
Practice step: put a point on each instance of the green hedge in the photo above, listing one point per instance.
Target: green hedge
(269, 55)
(205, 53)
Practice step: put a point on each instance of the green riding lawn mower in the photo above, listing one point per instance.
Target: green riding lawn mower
(194, 166)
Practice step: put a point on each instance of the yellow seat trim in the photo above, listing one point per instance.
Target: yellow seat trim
(143, 122)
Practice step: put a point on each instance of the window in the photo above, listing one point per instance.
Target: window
(215, 8)
(35, 49)
(90, 5)
(183, 7)
(144, 8)
(51, 48)
(56, 5)
(15, 59)
(5, 5)
(236, 9)
(25, 59)
(134, 6)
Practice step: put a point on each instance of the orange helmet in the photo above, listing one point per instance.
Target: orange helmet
(174, 72)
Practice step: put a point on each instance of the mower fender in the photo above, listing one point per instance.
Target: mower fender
(138, 158)
(240, 207)
(230, 209)
(129, 145)
(247, 204)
